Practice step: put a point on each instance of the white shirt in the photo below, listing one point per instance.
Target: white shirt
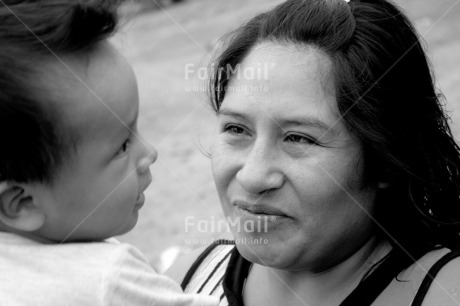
(99, 273)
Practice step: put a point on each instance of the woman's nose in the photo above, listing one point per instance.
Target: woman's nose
(260, 171)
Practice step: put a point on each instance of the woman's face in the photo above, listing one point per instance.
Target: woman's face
(288, 172)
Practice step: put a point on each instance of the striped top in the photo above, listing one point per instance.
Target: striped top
(208, 274)
(221, 271)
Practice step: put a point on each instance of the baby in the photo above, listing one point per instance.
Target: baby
(73, 167)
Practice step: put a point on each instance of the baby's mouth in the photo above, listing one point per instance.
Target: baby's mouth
(140, 199)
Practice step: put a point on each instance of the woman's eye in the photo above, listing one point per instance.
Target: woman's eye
(300, 139)
(234, 129)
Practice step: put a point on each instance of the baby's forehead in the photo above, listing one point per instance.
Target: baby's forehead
(90, 92)
(87, 69)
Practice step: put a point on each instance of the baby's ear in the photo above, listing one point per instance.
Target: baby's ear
(17, 208)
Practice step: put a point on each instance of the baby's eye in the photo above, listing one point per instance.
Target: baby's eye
(124, 147)
(296, 138)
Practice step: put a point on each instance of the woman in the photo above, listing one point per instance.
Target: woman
(341, 149)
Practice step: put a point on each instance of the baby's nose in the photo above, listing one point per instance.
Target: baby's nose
(145, 162)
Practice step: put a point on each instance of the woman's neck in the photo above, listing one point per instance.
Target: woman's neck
(329, 287)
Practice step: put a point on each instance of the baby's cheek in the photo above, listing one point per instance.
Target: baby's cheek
(133, 188)
(126, 192)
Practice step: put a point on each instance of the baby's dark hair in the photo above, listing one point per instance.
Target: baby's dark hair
(34, 140)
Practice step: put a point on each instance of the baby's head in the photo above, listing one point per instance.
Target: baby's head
(72, 165)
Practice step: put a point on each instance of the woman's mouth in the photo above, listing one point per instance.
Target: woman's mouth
(255, 219)
(262, 210)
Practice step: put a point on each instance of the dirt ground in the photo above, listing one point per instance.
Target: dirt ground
(182, 208)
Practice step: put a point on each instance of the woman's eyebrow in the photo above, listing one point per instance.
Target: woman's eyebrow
(232, 113)
(306, 121)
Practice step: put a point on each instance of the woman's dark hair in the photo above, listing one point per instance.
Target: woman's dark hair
(34, 140)
(386, 96)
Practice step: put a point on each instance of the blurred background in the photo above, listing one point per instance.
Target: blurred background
(166, 42)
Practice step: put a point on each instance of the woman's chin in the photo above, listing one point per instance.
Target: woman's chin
(262, 251)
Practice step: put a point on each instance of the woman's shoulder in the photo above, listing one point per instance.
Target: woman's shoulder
(441, 284)
(204, 256)
(178, 270)
(411, 284)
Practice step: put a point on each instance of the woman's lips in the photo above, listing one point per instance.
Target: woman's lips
(259, 209)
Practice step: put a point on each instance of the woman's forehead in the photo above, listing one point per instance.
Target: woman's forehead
(275, 64)
(297, 78)
(291, 54)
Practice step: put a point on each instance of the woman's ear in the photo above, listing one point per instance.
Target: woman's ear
(387, 174)
(17, 208)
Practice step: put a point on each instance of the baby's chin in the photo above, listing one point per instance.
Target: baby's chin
(128, 225)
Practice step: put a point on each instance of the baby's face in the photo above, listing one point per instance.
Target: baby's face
(99, 191)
